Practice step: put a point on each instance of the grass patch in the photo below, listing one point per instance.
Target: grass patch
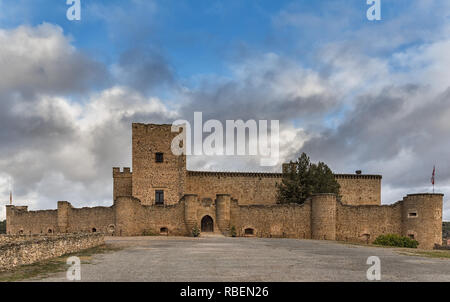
(43, 269)
(430, 254)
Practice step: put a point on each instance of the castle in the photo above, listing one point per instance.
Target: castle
(160, 196)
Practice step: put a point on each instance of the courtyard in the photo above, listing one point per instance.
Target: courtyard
(213, 258)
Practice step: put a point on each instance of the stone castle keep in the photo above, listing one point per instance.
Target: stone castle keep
(160, 196)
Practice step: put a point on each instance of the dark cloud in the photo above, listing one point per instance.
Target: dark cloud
(266, 87)
(401, 131)
(40, 60)
(143, 69)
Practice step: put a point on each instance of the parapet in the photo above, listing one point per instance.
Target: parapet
(234, 174)
(16, 208)
(358, 176)
(125, 173)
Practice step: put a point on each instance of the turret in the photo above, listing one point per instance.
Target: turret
(323, 217)
(223, 212)
(191, 205)
(422, 218)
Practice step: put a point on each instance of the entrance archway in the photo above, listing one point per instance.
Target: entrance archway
(207, 224)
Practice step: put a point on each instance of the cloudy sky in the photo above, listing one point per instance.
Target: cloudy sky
(356, 94)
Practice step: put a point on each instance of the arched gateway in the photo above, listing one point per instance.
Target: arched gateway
(207, 224)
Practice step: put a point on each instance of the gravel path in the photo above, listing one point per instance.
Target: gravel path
(251, 259)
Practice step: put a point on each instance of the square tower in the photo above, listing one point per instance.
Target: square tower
(158, 175)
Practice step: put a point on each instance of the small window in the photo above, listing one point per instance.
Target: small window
(159, 157)
(159, 197)
(412, 214)
(50, 231)
(164, 231)
(249, 231)
(94, 230)
(411, 236)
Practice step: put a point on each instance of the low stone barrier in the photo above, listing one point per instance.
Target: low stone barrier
(20, 250)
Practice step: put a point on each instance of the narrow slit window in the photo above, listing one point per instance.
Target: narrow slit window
(159, 158)
(159, 197)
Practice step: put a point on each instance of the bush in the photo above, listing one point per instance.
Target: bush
(148, 233)
(396, 240)
(233, 231)
(195, 231)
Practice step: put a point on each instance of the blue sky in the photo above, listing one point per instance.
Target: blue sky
(357, 94)
(201, 37)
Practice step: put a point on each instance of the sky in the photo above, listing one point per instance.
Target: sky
(356, 94)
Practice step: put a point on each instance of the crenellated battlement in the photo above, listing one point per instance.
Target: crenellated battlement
(234, 174)
(126, 172)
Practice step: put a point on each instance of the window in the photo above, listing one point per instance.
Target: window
(412, 214)
(249, 231)
(94, 230)
(159, 158)
(411, 236)
(159, 197)
(164, 231)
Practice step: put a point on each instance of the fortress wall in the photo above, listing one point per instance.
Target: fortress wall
(148, 175)
(247, 188)
(360, 189)
(364, 223)
(134, 219)
(102, 219)
(290, 221)
(20, 220)
(122, 182)
(260, 188)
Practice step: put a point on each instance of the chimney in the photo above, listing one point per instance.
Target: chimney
(358, 172)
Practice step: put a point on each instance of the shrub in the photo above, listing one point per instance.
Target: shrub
(396, 240)
(148, 233)
(195, 231)
(233, 231)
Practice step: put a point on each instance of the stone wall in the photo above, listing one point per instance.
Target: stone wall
(96, 219)
(135, 219)
(366, 222)
(247, 188)
(283, 221)
(21, 221)
(66, 219)
(20, 250)
(360, 189)
(418, 216)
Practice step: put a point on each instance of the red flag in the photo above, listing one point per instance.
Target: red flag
(432, 177)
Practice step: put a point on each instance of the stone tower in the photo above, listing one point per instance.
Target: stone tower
(422, 218)
(158, 175)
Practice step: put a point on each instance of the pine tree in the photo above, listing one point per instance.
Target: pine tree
(302, 179)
